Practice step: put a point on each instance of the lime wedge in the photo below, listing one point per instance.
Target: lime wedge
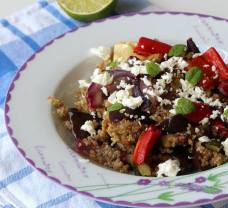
(87, 10)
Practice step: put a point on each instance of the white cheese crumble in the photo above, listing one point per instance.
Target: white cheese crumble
(196, 55)
(172, 62)
(89, 127)
(124, 85)
(204, 121)
(102, 52)
(124, 97)
(203, 139)
(215, 114)
(83, 83)
(104, 90)
(197, 130)
(102, 78)
(146, 81)
(193, 93)
(225, 146)
(168, 168)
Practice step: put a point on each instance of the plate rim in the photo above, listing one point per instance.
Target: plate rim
(217, 198)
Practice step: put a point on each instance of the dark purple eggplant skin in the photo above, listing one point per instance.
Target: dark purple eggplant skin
(77, 119)
(177, 123)
(191, 46)
(116, 116)
(121, 73)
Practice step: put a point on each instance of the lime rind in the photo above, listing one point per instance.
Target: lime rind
(100, 9)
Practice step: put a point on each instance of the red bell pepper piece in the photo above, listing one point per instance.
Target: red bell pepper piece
(213, 57)
(147, 46)
(207, 81)
(202, 111)
(145, 143)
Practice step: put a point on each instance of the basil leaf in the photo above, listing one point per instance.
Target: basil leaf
(115, 107)
(113, 64)
(177, 50)
(184, 106)
(225, 113)
(153, 69)
(194, 75)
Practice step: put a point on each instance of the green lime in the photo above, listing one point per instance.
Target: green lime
(88, 10)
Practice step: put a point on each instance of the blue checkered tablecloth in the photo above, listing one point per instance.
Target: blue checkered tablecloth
(21, 35)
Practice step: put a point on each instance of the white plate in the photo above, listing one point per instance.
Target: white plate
(55, 71)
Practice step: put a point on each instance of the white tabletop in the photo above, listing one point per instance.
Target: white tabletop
(212, 7)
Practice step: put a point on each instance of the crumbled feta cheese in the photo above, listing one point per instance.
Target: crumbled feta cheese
(136, 70)
(104, 90)
(189, 129)
(194, 93)
(204, 121)
(215, 114)
(150, 92)
(124, 97)
(173, 62)
(213, 68)
(132, 102)
(102, 78)
(122, 110)
(196, 55)
(124, 85)
(146, 81)
(172, 111)
(197, 130)
(225, 146)
(168, 168)
(83, 83)
(92, 113)
(89, 127)
(203, 139)
(102, 52)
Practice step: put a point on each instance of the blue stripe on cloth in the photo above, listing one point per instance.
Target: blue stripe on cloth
(56, 201)
(207, 206)
(17, 51)
(49, 33)
(6, 65)
(57, 14)
(16, 176)
(20, 34)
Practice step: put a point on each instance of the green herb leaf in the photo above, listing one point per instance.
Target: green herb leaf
(194, 75)
(184, 106)
(166, 196)
(115, 107)
(153, 69)
(177, 50)
(113, 64)
(225, 113)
